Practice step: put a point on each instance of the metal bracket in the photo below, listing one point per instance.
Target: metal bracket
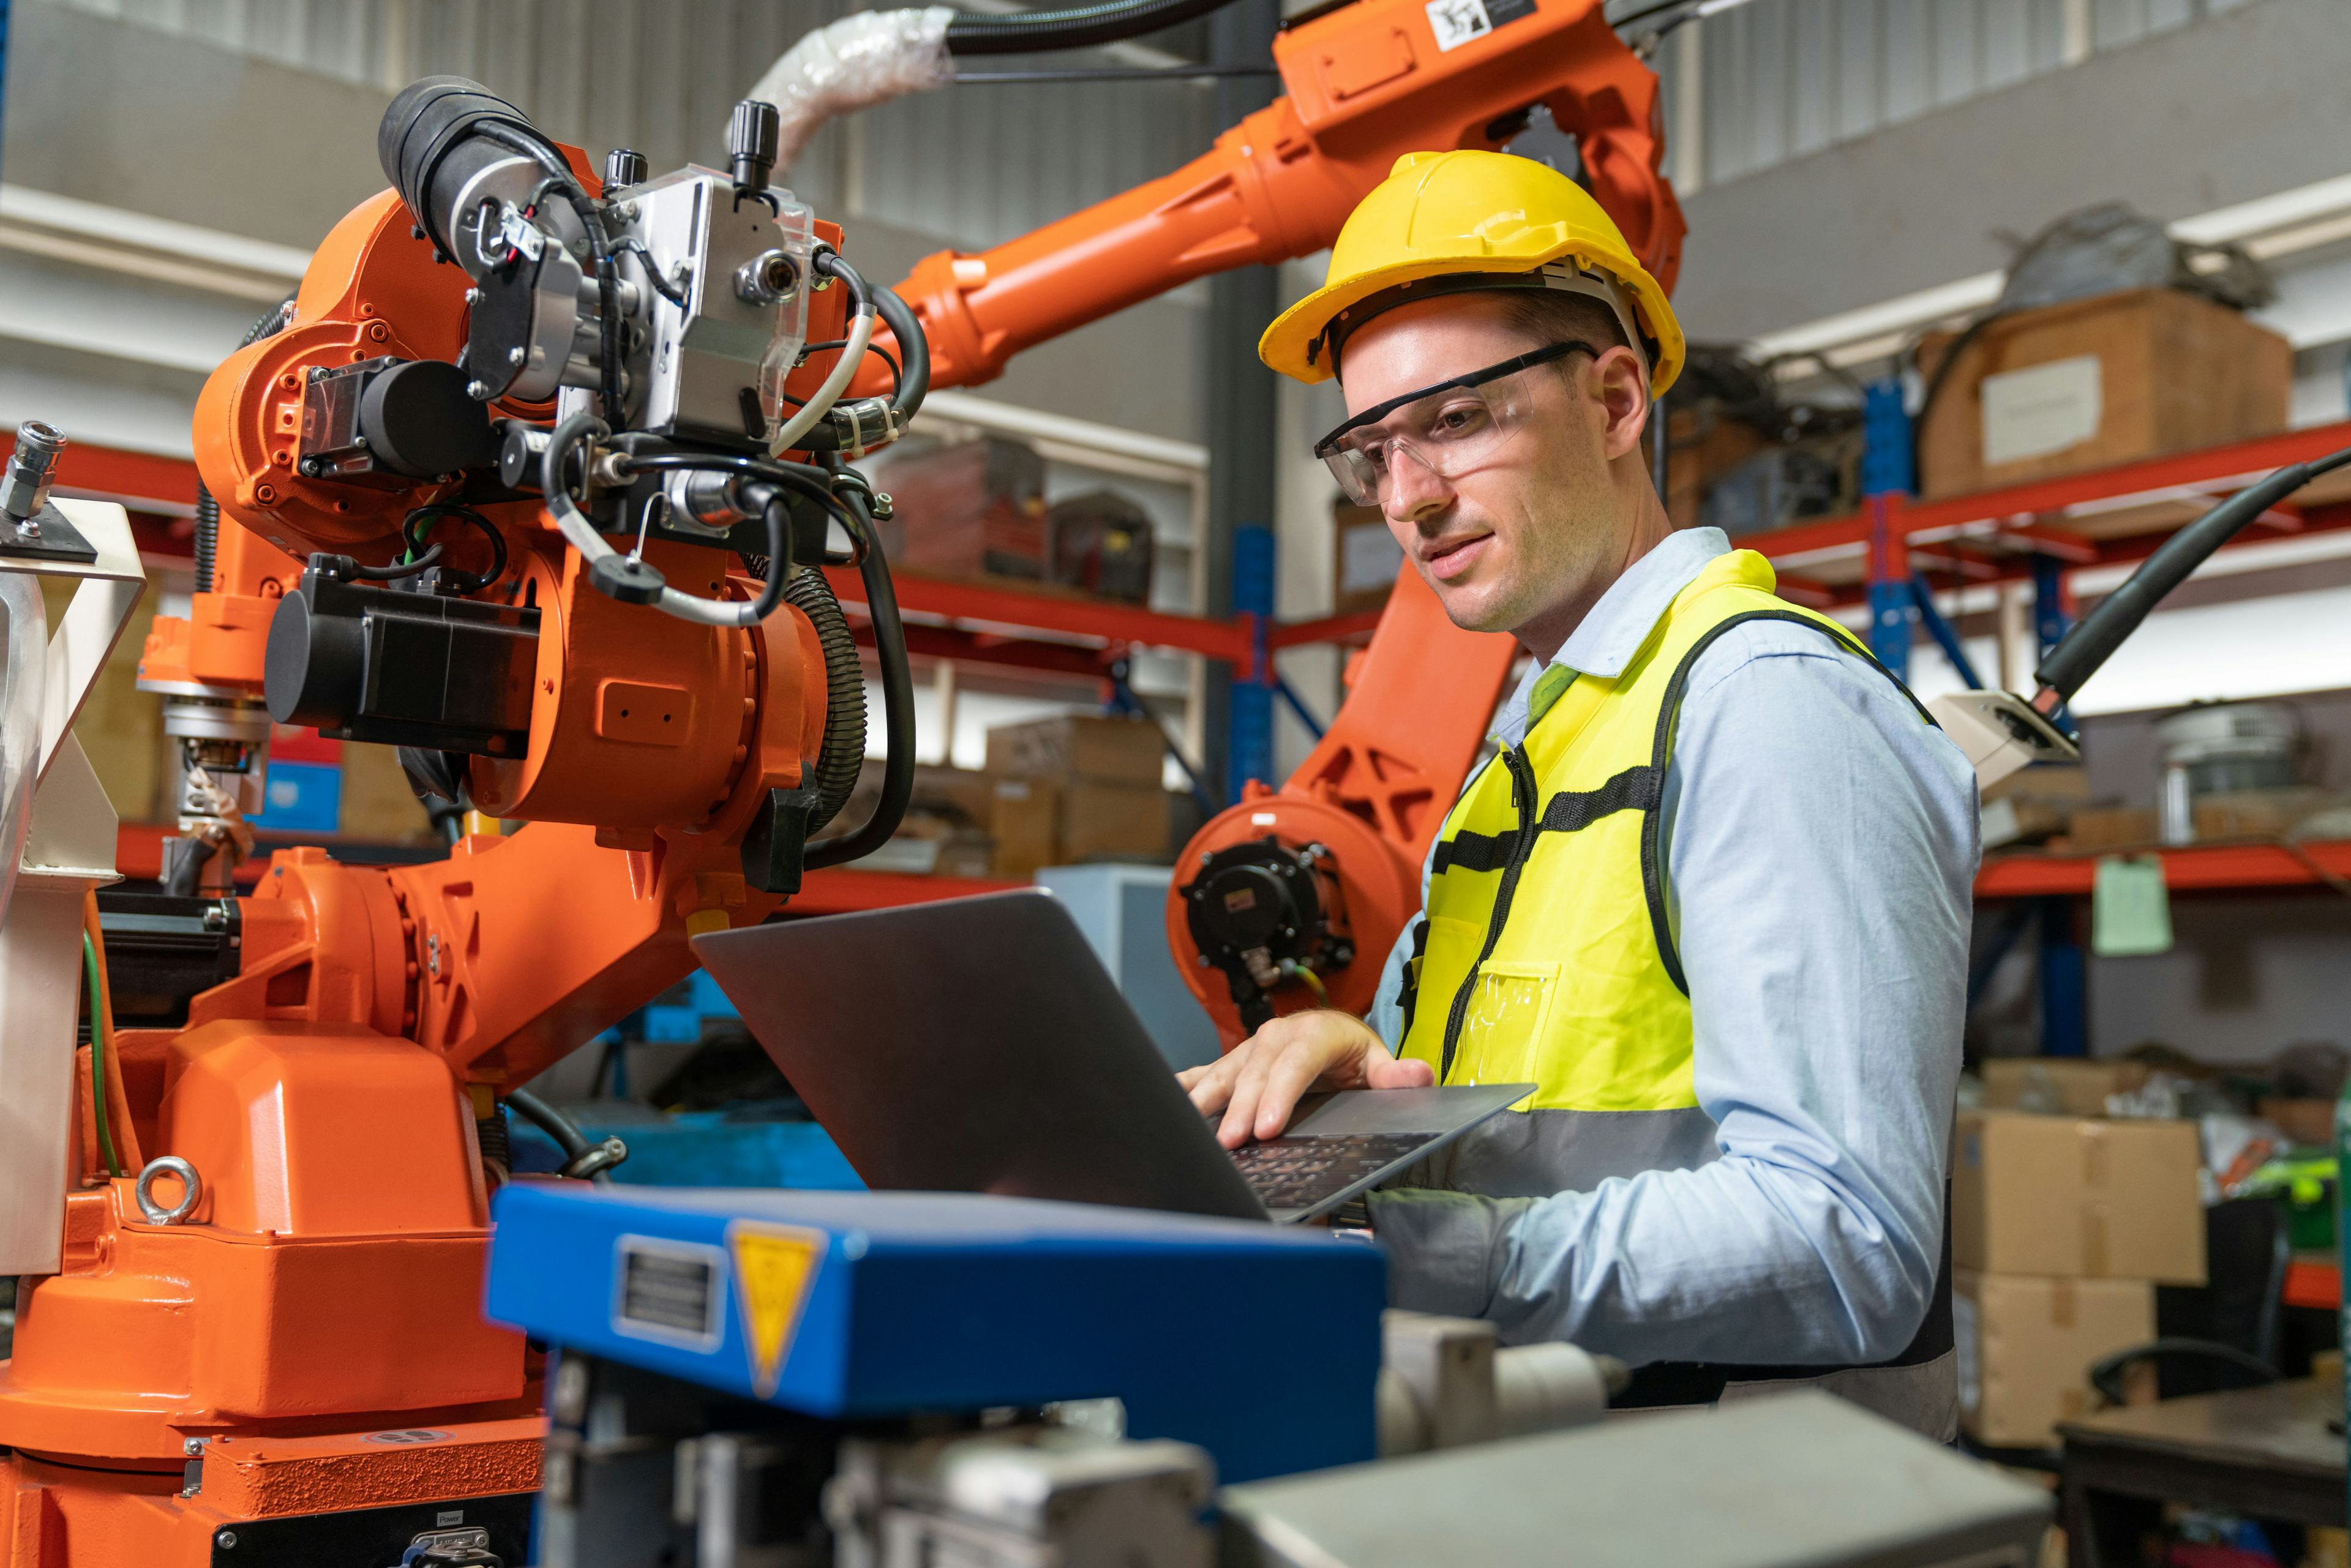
(51, 536)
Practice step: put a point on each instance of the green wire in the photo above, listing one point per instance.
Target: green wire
(97, 1056)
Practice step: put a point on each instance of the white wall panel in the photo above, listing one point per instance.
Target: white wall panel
(974, 165)
(1782, 79)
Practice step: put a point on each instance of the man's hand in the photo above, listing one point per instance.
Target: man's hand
(1258, 1083)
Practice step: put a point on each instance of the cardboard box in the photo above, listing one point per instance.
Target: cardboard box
(1025, 818)
(2076, 1199)
(2256, 813)
(2057, 1085)
(2093, 382)
(1365, 558)
(1069, 747)
(2095, 829)
(2026, 1345)
(1113, 821)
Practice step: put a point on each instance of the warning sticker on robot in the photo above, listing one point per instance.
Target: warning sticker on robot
(774, 1267)
(1455, 22)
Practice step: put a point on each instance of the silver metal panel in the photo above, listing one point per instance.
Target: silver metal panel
(1774, 1482)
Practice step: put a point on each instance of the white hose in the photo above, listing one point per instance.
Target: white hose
(844, 370)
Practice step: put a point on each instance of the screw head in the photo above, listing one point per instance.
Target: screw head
(515, 355)
(478, 391)
(193, 1446)
(226, 1539)
(473, 297)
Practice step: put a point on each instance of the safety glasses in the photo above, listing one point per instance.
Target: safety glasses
(1448, 428)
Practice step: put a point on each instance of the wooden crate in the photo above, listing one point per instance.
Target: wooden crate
(2093, 382)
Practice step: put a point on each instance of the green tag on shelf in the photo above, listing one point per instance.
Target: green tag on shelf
(2130, 908)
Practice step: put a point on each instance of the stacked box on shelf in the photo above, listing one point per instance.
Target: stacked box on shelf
(2095, 382)
(2061, 1229)
(1075, 788)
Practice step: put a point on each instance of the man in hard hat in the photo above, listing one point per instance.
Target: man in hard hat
(1712, 894)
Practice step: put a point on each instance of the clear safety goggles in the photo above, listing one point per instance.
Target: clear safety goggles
(1449, 429)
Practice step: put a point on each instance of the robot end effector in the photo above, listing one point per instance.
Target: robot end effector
(618, 366)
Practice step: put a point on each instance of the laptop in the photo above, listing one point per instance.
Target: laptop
(978, 1045)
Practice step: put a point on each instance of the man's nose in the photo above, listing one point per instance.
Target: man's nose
(1413, 489)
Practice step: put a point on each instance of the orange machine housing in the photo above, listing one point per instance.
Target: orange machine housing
(172, 1380)
(1364, 85)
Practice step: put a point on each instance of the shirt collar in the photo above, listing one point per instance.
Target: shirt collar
(1614, 629)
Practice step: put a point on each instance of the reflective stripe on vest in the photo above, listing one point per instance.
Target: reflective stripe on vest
(1546, 955)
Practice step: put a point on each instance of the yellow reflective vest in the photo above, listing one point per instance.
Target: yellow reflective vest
(1546, 955)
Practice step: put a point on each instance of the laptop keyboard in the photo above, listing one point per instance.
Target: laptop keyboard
(1301, 1172)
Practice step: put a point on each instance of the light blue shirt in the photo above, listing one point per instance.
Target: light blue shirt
(1821, 846)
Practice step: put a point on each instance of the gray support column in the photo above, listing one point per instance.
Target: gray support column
(1239, 423)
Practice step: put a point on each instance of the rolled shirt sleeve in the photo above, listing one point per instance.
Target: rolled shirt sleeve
(1821, 846)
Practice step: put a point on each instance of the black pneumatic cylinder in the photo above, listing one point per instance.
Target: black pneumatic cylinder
(754, 133)
(429, 149)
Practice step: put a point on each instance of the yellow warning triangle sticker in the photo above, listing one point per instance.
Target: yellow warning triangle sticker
(773, 1266)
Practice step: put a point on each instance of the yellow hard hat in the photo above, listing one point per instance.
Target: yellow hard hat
(1473, 220)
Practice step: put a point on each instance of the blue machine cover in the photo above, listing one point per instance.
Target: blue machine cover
(1260, 1343)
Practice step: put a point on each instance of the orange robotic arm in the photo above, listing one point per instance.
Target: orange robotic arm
(1365, 83)
(1322, 876)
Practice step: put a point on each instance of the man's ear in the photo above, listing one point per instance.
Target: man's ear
(1621, 388)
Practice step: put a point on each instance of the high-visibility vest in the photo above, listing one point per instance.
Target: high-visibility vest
(1546, 955)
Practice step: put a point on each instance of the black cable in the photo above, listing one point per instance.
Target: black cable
(1935, 382)
(662, 286)
(897, 376)
(2102, 630)
(840, 755)
(2106, 1373)
(464, 581)
(1081, 27)
(555, 1124)
(188, 870)
(803, 478)
(897, 706)
(397, 571)
(599, 248)
(907, 327)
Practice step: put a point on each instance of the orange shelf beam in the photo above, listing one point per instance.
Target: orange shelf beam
(2313, 1282)
(2216, 469)
(2201, 868)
